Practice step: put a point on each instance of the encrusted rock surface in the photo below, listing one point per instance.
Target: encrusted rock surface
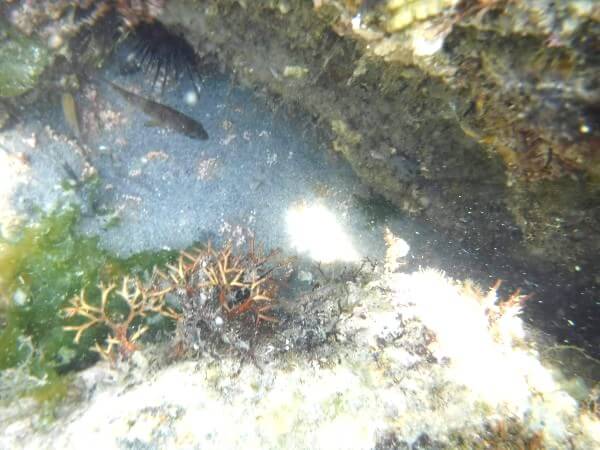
(415, 361)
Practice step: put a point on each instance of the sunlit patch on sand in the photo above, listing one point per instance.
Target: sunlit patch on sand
(315, 230)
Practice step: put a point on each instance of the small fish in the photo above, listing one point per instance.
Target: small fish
(163, 114)
(70, 112)
(75, 181)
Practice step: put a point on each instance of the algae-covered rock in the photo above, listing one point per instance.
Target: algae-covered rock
(417, 362)
(22, 61)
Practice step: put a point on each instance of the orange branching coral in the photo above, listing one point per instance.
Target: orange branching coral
(513, 303)
(502, 315)
(140, 301)
(179, 276)
(241, 282)
(212, 288)
(240, 285)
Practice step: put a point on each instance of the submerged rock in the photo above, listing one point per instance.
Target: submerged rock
(22, 61)
(415, 361)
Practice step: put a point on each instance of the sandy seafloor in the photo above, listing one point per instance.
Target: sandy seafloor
(161, 189)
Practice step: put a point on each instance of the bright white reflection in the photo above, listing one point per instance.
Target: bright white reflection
(313, 229)
(483, 342)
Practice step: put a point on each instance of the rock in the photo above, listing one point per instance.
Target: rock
(382, 387)
(22, 61)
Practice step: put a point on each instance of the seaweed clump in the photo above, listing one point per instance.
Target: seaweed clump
(222, 299)
(44, 266)
(225, 295)
(139, 301)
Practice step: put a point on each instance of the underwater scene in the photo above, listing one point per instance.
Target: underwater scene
(300, 224)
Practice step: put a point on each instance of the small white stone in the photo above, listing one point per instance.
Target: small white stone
(218, 321)
(305, 276)
(203, 298)
(55, 41)
(20, 297)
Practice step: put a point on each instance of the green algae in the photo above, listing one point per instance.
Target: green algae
(39, 272)
(56, 388)
(22, 61)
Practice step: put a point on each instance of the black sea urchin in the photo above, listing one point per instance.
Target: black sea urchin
(159, 52)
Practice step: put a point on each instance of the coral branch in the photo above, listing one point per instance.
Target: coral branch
(140, 302)
(238, 282)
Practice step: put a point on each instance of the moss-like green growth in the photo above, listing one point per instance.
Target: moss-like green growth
(52, 392)
(22, 61)
(39, 273)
